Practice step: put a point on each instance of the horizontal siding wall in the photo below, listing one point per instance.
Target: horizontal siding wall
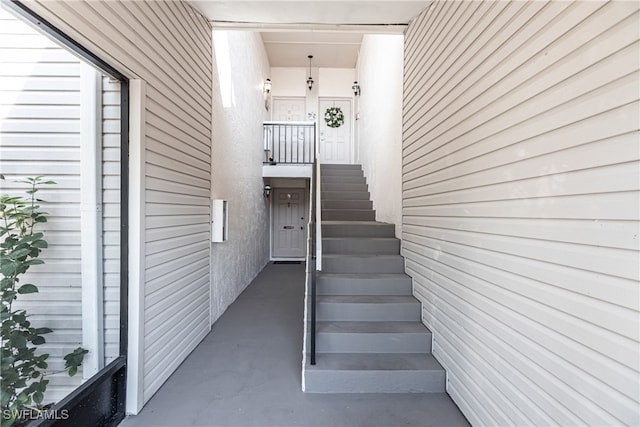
(521, 205)
(40, 135)
(168, 45)
(111, 216)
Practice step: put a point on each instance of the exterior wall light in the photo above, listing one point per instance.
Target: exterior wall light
(267, 190)
(267, 86)
(310, 80)
(356, 89)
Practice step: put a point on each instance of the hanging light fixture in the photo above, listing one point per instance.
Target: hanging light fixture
(310, 80)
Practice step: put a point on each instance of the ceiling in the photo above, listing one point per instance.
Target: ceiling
(330, 30)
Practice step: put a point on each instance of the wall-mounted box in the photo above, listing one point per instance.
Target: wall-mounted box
(219, 220)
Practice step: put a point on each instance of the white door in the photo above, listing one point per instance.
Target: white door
(289, 109)
(289, 223)
(335, 143)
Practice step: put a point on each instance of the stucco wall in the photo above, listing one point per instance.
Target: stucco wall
(379, 128)
(240, 68)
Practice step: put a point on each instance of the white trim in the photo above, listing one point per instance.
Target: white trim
(91, 219)
(277, 27)
(137, 170)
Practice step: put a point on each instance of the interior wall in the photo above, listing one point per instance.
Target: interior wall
(336, 82)
(379, 127)
(241, 67)
(522, 206)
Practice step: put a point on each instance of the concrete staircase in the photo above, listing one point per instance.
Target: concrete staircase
(369, 335)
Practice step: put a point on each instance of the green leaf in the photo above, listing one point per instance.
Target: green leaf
(41, 331)
(8, 269)
(40, 244)
(28, 288)
(38, 340)
(38, 397)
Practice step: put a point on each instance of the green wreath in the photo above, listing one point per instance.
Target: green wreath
(334, 117)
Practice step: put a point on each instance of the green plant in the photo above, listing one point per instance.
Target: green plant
(23, 379)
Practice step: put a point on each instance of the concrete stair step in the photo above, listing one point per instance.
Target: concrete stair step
(357, 229)
(368, 308)
(343, 186)
(361, 245)
(349, 214)
(363, 284)
(344, 195)
(358, 263)
(372, 337)
(346, 204)
(375, 373)
(346, 179)
(333, 166)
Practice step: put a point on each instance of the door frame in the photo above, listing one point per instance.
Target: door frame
(272, 221)
(350, 117)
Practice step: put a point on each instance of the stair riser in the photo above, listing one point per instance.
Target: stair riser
(336, 166)
(343, 179)
(351, 264)
(340, 186)
(373, 343)
(341, 172)
(368, 312)
(361, 246)
(345, 195)
(358, 230)
(348, 215)
(341, 286)
(347, 204)
(339, 381)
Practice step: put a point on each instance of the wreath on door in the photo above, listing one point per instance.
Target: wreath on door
(334, 117)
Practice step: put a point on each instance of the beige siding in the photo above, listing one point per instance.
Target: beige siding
(40, 135)
(521, 206)
(168, 45)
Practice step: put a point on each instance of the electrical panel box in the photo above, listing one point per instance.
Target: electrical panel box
(219, 220)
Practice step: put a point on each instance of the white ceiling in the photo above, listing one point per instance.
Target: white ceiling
(335, 12)
(330, 30)
(329, 49)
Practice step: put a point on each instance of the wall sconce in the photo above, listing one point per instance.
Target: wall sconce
(356, 89)
(266, 88)
(267, 190)
(310, 80)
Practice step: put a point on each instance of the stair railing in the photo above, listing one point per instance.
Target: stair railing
(289, 142)
(314, 255)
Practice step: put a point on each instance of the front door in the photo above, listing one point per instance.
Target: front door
(335, 143)
(289, 223)
(289, 109)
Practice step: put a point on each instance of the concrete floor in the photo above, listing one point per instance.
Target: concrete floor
(247, 372)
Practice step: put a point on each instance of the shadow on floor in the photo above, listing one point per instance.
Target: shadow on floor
(246, 372)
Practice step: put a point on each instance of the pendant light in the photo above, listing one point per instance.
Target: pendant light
(310, 80)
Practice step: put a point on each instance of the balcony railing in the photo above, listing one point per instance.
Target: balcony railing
(289, 142)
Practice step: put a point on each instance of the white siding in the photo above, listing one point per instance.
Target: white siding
(521, 207)
(168, 45)
(111, 216)
(40, 135)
